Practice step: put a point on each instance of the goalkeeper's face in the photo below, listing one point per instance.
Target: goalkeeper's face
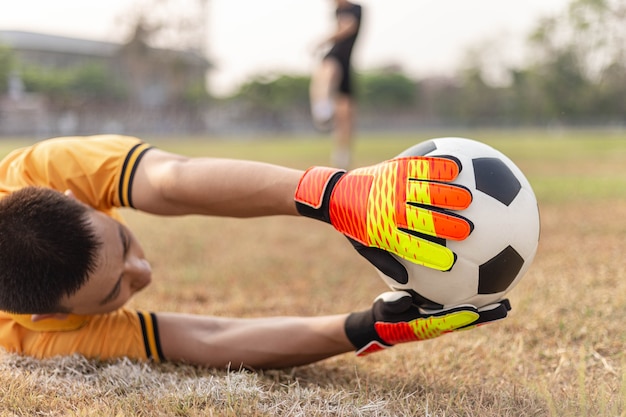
(121, 270)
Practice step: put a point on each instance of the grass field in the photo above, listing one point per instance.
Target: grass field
(560, 352)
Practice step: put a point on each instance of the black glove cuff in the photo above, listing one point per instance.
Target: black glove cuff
(360, 329)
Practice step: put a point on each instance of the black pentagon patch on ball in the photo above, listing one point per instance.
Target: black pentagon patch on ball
(496, 180)
(497, 274)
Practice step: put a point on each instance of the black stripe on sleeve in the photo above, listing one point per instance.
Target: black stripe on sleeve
(144, 333)
(132, 176)
(120, 187)
(157, 337)
(126, 180)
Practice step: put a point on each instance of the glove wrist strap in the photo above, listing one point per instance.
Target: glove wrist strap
(314, 190)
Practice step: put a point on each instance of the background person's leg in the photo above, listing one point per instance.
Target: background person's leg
(341, 155)
(322, 91)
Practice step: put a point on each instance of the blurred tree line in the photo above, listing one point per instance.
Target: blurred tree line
(577, 76)
(83, 83)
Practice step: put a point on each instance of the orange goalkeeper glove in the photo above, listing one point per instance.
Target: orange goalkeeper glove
(399, 206)
(395, 319)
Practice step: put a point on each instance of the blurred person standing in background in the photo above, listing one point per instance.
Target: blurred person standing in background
(331, 89)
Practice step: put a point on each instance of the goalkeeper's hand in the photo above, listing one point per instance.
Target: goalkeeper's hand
(394, 319)
(399, 206)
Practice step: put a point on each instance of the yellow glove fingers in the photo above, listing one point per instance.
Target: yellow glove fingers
(434, 223)
(423, 328)
(431, 327)
(439, 195)
(428, 168)
(412, 248)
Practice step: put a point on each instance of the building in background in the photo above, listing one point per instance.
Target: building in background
(130, 88)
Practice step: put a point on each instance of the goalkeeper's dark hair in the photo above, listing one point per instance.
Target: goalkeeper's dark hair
(48, 248)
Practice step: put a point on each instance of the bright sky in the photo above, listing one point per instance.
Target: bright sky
(248, 37)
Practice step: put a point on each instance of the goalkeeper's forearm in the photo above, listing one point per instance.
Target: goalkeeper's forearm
(171, 184)
(274, 342)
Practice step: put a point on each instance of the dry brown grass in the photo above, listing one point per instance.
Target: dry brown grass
(560, 353)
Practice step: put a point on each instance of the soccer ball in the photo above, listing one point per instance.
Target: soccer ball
(503, 243)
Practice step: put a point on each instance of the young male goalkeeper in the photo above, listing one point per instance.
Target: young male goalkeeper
(68, 263)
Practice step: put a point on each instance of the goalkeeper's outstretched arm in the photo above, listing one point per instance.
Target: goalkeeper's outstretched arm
(171, 184)
(257, 343)
(279, 342)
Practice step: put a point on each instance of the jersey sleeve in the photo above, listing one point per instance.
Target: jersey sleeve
(124, 333)
(99, 170)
